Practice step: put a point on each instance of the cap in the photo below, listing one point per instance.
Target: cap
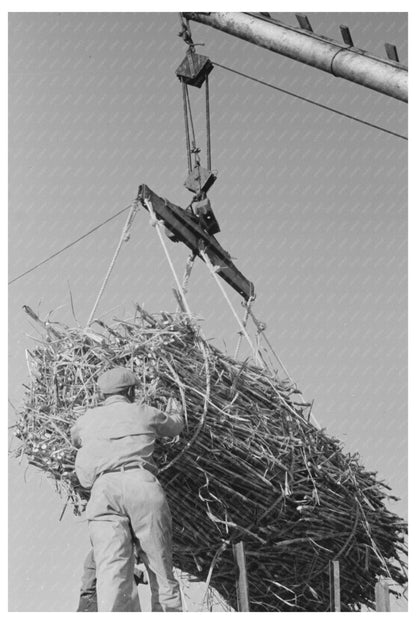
(115, 380)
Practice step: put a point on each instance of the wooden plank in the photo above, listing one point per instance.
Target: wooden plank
(334, 586)
(243, 601)
(382, 594)
(391, 51)
(346, 35)
(304, 22)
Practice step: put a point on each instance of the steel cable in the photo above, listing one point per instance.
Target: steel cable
(305, 99)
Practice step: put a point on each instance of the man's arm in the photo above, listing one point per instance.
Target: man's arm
(170, 423)
(75, 436)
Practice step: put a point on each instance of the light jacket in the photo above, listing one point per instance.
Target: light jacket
(119, 432)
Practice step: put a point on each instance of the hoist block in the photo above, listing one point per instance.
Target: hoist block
(200, 180)
(205, 214)
(194, 69)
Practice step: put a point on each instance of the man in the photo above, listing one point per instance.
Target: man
(127, 506)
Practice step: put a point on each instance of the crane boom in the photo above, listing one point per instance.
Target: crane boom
(341, 60)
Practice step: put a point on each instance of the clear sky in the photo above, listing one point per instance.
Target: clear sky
(312, 206)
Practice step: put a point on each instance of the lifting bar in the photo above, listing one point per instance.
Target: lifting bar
(183, 226)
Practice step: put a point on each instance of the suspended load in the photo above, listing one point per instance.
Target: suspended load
(249, 466)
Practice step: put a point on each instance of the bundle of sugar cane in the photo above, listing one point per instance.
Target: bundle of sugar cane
(249, 465)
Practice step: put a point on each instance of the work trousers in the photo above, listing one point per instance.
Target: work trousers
(88, 590)
(126, 508)
(88, 593)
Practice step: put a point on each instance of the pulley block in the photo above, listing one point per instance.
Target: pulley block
(194, 69)
(199, 179)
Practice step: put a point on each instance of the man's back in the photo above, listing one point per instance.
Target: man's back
(119, 433)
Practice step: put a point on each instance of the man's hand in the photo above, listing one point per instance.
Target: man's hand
(173, 406)
(75, 437)
(171, 421)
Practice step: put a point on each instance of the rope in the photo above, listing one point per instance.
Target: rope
(94, 229)
(220, 286)
(261, 331)
(305, 99)
(123, 238)
(244, 322)
(187, 140)
(208, 124)
(188, 101)
(155, 223)
(188, 268)
(185, 30)
(195, 149)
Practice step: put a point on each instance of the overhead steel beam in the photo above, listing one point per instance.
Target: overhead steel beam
(342, 61)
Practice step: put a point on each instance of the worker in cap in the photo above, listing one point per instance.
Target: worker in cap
(127, 506)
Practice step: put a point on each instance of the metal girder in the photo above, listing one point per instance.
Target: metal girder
(184, 227)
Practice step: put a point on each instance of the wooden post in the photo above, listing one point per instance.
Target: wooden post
(382, 593)
(334, 586)
(243, 602)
